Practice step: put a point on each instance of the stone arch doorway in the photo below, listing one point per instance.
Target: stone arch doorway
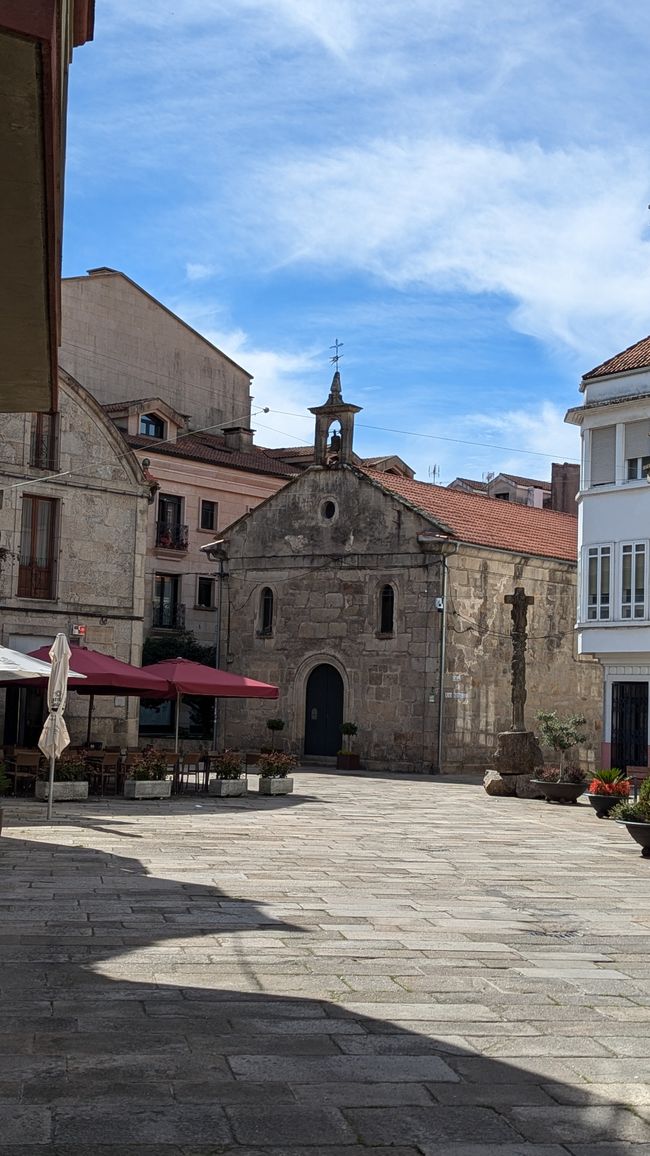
(323, 711)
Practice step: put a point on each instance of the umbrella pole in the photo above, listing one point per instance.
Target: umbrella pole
(178, 717)
(91, 703)
(51, 787)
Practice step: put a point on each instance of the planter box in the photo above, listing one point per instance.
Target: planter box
(63, 792)
(348, 762)
(227, 787)
(560, 792)
(602, 804)
(275, 786)
(147, 788)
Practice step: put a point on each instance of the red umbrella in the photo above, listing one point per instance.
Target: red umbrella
(185, 677)
(104, 674)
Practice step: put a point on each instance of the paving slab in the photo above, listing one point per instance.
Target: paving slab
(337, 974)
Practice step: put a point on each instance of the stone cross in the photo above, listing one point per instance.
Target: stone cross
(519, 601)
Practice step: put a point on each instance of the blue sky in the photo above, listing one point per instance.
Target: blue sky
(456, 190)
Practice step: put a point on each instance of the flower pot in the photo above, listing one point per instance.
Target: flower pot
(602, 804)
(640, 832)
(347, 762)
(276, 786)
(560, 792)
(147, 788)
(63, 792)
(227, 787)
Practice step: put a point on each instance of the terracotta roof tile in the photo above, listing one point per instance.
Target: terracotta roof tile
(211, 448)
(636, 356)
(486, 522)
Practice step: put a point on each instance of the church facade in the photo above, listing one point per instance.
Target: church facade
(371, 598)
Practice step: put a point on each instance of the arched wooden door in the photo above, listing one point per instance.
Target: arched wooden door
(323, 711)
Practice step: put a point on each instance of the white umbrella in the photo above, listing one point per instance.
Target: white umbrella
(14, 665)
(54, 736)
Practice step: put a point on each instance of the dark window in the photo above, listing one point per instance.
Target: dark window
(171, 534)
(387, 610)
(168, 613)
(208, 515)
(36, 563)
(266, 611)
(43, 450)
(504, 497)
(205, 593)
(152, 426)
(328, 510)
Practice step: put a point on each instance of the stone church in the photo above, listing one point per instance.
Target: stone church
(371, 598)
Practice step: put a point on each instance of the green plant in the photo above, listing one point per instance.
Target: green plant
(556, 775)
(276, 765)
(610, 781)
(348, 729)
(149, 766)
(274, 725)
(638, 812)
(561, 734)
(70, 768)
(228, 765)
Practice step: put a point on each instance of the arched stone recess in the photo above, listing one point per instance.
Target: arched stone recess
(299, 692)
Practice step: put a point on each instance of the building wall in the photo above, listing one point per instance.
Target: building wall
(121, 344)
(235, 491)
(99, 549)
(326, 577)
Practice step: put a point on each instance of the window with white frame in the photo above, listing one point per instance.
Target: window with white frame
(633, 572)
(603, 455)
(637, 449)
(598, 582)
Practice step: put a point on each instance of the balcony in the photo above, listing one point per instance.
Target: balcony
(35, 579)
(171, 536)
(166, 617)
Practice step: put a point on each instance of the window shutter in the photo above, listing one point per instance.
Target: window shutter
(603, 455)
(637, 439)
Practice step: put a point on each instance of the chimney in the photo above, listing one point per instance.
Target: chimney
(565, 483)
(238, 437)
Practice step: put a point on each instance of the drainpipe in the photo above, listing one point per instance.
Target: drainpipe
(443, 547)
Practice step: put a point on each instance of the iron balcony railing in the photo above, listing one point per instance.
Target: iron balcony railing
(171, 536)
(167, 617)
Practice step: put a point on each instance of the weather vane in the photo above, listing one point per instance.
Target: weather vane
(337, 356)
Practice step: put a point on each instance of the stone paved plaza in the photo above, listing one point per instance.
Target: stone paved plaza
(386, 965)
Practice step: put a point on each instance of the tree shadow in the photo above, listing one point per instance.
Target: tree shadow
(124, 1032)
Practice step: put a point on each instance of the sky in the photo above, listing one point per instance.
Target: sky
(456, 191)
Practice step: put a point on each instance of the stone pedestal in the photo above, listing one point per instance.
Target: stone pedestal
(516, 758)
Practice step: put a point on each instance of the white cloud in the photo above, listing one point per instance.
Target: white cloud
(195, 271)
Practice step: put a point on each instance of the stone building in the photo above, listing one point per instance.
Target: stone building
(73, 522)
(372, 598)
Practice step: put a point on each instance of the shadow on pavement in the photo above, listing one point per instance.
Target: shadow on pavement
(124, 1032)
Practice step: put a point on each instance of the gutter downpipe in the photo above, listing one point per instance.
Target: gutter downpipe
(443, 554)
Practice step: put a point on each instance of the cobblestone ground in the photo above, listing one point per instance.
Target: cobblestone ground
(374, 965)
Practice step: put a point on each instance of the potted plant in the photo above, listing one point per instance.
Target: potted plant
(71, 774)
(606, 789)
(561, 784)
(274, 767)
(148, 776)
(274, 725)
(636, 817)
(230, 778)
(347, 759)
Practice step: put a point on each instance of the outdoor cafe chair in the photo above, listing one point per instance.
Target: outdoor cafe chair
(23, 764)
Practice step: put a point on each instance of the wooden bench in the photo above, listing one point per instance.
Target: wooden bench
(637, 775)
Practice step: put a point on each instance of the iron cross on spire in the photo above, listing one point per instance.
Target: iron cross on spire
(337, 356)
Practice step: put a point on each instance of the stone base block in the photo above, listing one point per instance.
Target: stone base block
(62, 792)
(227, 787)
(496, 785)
(524, 788)
(275, 786)
(517, 753)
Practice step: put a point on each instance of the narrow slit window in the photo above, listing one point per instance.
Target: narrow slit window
(387, 610)
(266, 611)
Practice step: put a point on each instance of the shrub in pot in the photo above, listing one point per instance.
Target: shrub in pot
(347, 759)
(561, 784)
(275, 725)
(636, 817)
(230, 778)
(148, 776)
(71, 774)
(607, 788)
(274, 767)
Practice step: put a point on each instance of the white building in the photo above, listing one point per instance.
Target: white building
(614, 539)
